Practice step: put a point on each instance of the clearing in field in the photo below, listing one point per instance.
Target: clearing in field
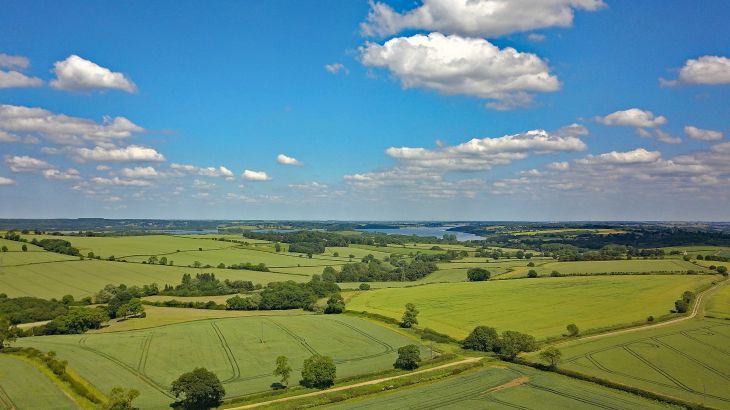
(509, 387)
(150, 359)
(688, 360)
(541, 307)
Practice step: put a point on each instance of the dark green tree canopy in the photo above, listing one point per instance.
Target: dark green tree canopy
(198, 389)
(319, 371)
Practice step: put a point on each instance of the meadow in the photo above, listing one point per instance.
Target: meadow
(688, 360)
(150, 359)
(541, 307)
(544, 268)
(501, 387)
(23, 386)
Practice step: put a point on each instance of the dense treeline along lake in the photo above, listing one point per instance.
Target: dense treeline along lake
(437, 231)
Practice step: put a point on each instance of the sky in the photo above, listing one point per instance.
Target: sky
(356, 110)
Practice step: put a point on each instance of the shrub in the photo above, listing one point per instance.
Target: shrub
(364, 286)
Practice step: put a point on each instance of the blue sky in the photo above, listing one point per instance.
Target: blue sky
(575, 109)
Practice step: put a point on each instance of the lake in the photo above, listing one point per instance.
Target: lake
(437, 231)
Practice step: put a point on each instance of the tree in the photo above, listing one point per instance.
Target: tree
(477, 274)
(335, 304)
(4, 248)
(24, 248)
(552, 356)
(67, 299)
(410, 316)
(408, 358)
(121, 399)
(239, 303)
(512, 343)
(482, 339)
(681, 306)
(319, 371)
(555, 274)
(329, 274)
(722, 270)
(277, 247)
(131, 309)
(7, 335)
(572, 330)
(283, 369)
(364, 286)
(198, 389)
(532, 273)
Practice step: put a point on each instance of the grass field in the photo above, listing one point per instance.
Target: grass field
(23, 386)
(503, 388)
(718, 305)
(84, 278)
(689, 360)
(618, 266)
(150, 359)
(541, 307)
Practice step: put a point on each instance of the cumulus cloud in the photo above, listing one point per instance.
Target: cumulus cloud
(639, 155)
(7, 137)
(706, 70)
(6, 181)
(14, 79)
(255, 175)
(200, 184)
(482, 154)
(633, 117)
(480, 18)
(25, 163)
(309, 186)
(558, 166)
(131, 153)
(286, 160)
(64, 129)
(140, 172)
(77, 74)
(468, 66)
(18, 62)
(57, 174)
(116, 181)
(336, 68)
(701, 134)
(221, 171)
(666, 137)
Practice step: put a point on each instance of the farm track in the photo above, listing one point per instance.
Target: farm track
(235, 369)
(352, 386)
(5, 400)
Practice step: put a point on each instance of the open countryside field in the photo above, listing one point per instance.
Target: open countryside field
(84, 278)
(149, 360)
(541, 307)
(503, 388)
(688, 360)
(23, 386)
(718, 305)
(617, 266)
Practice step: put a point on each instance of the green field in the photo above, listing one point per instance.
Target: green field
(23, 386)
(718, 304)
(84, 278)
(617, 266)
(541, 307)
(150, 359)
(688, 360)
(503, 388)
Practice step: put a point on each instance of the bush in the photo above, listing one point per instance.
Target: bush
(572, 330)
(364, 286)
(478, 274)
(318, 371)
(532, 273)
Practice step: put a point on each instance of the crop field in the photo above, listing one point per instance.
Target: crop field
(150, 359)
(84, 278)
(541, 307)
(701, 250)
(617, 266)
(689, 360)
(503, 388)
(397, 249)
(718, 305)
(23, 386)
(13, 258)
(14, 246)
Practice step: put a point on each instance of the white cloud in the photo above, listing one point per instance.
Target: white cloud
(336, 68)
(25, 163)
(633, 117)
(13, 61)
(480, 18)
(706, 70)
(200, 184)
(701, 134)
(666, 137)
(637, 156)
(6, 181)
(558, 166)
(572, 130)
(12, 138)
(482, 154)
(286, 160)
(116, 181)
(221, 171)
(64, 129)
(67, 175)
(77, 74)
(140, 172)
(536, 37)
(131, 153)
(14, 79)
(468, 66)
(255, 175)
(309, 186)
(103, 167)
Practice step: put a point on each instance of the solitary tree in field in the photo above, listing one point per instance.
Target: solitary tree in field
(572, 330)
(121, 399)
(409, 316)
(552, 356)
(408, 358)
(198, 389)
(532, 273)
(4, 248)
(319, 371)
(477, 274)
(24, 248)
(283, 370)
